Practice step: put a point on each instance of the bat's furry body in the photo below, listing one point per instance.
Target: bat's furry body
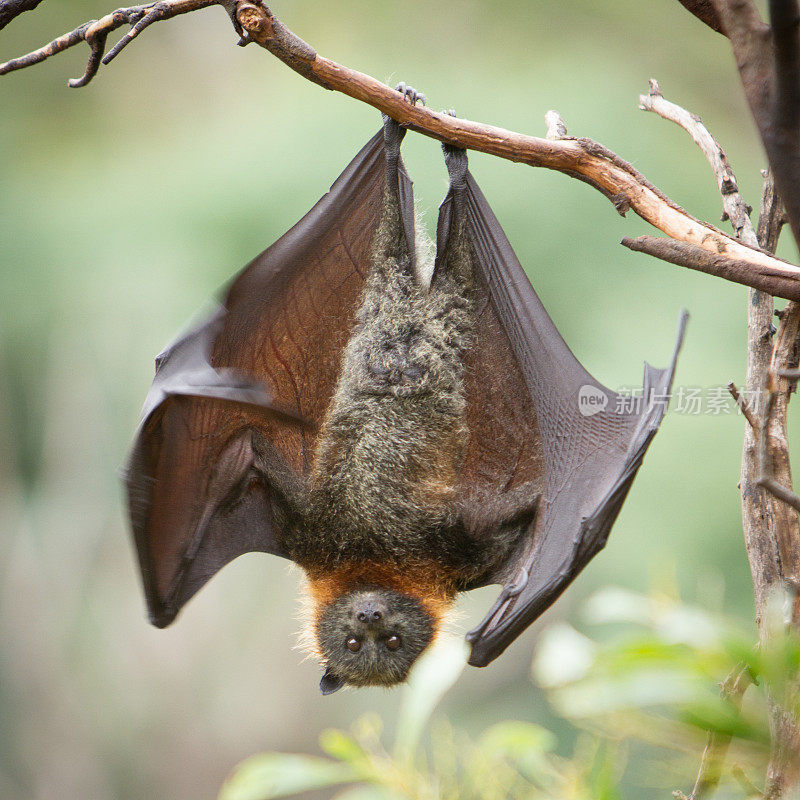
(402, 438)
(380, 511)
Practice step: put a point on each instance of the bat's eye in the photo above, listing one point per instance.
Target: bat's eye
(393, 643)
(353, 644)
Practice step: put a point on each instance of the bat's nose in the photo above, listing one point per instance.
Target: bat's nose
(368, 614)
(369, 609)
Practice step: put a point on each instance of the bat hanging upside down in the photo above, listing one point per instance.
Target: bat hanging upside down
(402, 430)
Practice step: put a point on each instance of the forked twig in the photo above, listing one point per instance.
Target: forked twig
(95, 33)
(736, 209)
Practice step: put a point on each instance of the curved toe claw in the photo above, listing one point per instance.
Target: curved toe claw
(454, 156)
(411, 94)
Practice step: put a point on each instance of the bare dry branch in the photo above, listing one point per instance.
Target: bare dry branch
(765, 279)
(768, 62)
(736, 209)
(13, 8)
(771, 218)
(583, 159)
(785, 20)
(767, 476)
(95, 33)
(704, 10)
(771, 527)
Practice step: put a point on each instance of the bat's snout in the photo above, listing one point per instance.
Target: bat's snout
(369, 610)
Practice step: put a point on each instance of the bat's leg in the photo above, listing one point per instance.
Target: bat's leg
(453, 273)
(394, 236)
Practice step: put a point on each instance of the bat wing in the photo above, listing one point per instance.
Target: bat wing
(536, 416)
(248, 386)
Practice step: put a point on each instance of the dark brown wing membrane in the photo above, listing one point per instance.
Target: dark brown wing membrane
(536, 415)
(261, 370)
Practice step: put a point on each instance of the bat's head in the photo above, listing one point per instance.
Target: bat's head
(371, 637)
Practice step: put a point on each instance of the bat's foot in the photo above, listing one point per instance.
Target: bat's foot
(393, 132)
(455, 158)
(410, 93)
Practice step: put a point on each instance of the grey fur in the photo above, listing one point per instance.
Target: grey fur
(374, 663)
(394, 437)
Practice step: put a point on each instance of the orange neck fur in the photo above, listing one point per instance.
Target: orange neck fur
(423, 581)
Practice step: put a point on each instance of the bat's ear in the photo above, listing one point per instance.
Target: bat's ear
(330, 683)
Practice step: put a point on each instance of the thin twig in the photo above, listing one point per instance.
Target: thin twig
(579, 158)
(744, 406)
(736, 209)
(717, 744)
(95, 33)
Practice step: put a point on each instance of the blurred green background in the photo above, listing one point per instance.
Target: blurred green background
(125, 204)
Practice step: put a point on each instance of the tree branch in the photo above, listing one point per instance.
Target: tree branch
(765, 468)
(95, 33)
(759, 277)
(784, 18)
(768, 62)
(583, 159)
(13, 8)
(704, 10)
(744, 407)
(736, 210)
(770, 525)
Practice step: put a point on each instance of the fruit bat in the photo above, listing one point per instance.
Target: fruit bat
(402, 427)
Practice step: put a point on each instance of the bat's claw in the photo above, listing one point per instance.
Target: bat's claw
(454, 157)
(410, 93)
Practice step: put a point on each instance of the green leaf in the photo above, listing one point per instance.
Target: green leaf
(513, 738)
(340, 745)
(724, 718)
(672, 621)
(522, 745)
(281, 774)
(367, 793)
(562, 656)
(644, 688)
(435, 672)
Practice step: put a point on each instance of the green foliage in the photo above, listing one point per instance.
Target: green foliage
(511, 759)
(651, 680)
